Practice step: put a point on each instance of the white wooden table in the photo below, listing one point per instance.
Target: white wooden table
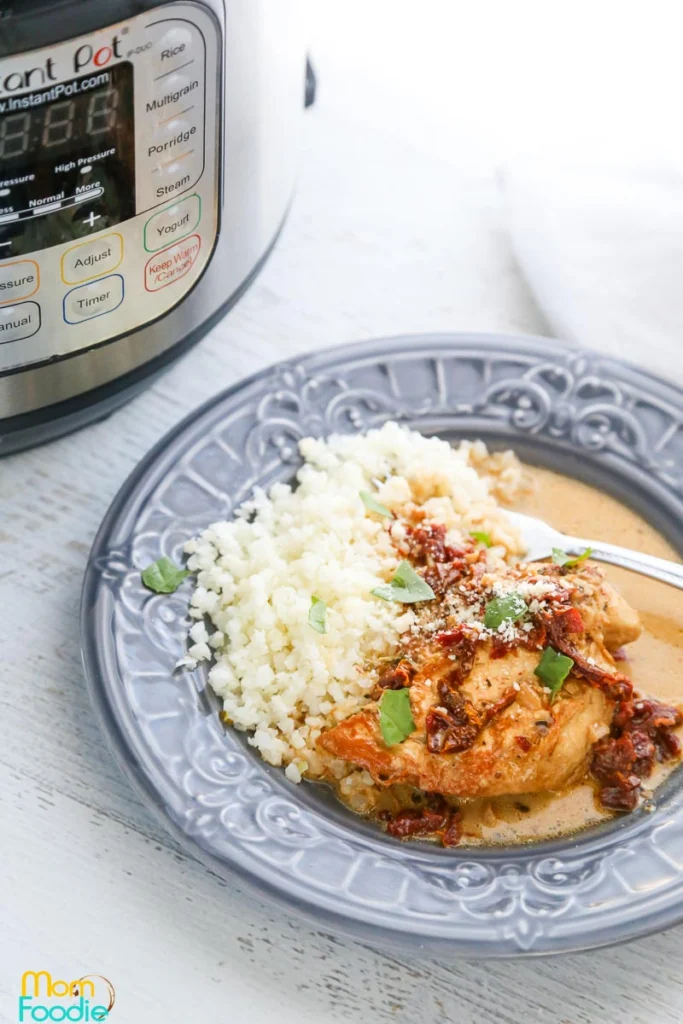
(392, 231)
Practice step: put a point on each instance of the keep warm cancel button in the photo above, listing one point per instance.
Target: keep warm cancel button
(172, 263)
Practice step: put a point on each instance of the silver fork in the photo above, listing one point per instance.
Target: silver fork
(540, 539)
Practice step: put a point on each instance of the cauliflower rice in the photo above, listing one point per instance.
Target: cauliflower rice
(278, 677)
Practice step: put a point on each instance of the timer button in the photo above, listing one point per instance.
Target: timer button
(18, 280)
(92, 259)
(94, 299)
(19, 321)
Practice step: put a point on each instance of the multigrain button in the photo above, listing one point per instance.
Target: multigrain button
(20, 320)
(18, 280)
(171, 264)
(172, 223)
(94, 299)
(92, 259)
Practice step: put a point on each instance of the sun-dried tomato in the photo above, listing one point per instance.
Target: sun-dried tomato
(397, 677)
(501, 704)
(462, 655)
(420, 822)
(436, 819)
(614, 685)
(640, 735)
(452, 835)
(454, 728)
(623, 793)
(450, 637)
(523, 743)
(571, 620)
(428, 544)
(442, 576)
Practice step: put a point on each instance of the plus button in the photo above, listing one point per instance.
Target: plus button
(91, 218)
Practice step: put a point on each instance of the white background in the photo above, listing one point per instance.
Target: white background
(397, 227)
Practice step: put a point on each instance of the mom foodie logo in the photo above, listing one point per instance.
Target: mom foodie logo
(85, 1000)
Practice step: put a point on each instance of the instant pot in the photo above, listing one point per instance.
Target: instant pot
(148, 151)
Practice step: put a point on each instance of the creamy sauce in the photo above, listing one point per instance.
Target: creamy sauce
(655, 660)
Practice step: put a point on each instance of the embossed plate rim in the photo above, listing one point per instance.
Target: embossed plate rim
(525, 931)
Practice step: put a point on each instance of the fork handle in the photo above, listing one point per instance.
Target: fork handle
(649, 565)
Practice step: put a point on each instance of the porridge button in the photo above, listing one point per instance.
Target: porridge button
(94, 299)
(18, 280)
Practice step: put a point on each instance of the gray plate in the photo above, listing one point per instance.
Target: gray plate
(585, 415)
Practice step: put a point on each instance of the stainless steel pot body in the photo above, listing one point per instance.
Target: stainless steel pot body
(148, 153)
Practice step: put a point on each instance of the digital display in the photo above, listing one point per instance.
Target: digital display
(67, 161)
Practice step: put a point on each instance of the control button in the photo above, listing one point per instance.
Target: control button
(173, 95)
(174, 48)
(172, 143)
(88, 219)
(171, 264)
(91, 259)
(172, 223)
(94, 299)
(11, 237)
(18, 321)
(18, 280)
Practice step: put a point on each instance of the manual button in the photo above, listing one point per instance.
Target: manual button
(92, 259)
(19, 321)
(173, 223)
(94, 299)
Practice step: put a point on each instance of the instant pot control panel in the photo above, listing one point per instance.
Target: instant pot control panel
(109, 180)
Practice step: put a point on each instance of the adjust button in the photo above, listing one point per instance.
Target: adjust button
(173, 223)
(92, 259)
(18, 280)
(21, 320)
(94, 299)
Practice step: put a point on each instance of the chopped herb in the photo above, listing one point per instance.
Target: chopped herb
(395, 716)
(372, 505)
(317, 615)
(407, 587)
(482, 538)
(553, 669)
(561, 557)
(163, 576)
(510, 608)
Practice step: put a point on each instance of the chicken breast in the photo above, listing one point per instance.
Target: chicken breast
(519, 741)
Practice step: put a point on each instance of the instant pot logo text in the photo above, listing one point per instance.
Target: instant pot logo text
(86, 1000)
(86, 56)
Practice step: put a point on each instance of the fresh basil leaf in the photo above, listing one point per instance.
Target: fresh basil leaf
(510, 608)
(561, 557)
(407, 587)
(163, 576)
(317, 615)
(395, 717)
(482, 538)
(372, 505)
(553, 669)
